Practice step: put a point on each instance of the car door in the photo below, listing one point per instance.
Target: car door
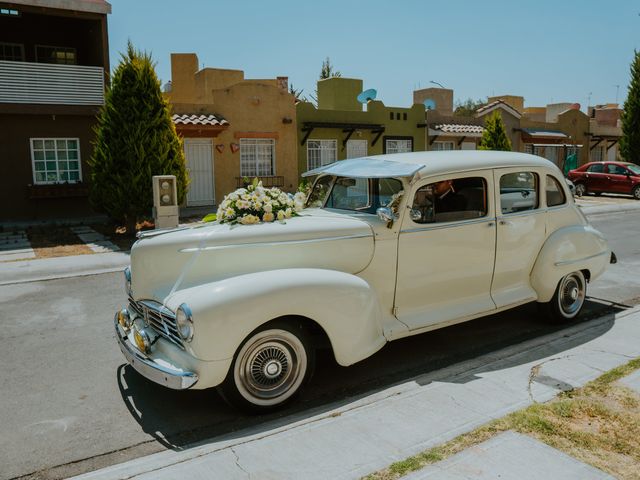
(446, 251)
(618, 179)
(595, 178)
(519, 236)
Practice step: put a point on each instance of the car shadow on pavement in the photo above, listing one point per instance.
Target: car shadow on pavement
(177, 419)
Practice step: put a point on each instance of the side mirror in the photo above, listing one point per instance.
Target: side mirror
(386, 215)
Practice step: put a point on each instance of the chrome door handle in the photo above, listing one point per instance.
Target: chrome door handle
(491, 224)
(505, 222)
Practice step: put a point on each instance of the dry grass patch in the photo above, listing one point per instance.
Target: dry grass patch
(598, 424)
(50, 242)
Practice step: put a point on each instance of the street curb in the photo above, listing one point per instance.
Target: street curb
(62, 267)
(604, 209)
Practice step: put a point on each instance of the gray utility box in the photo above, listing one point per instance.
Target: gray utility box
(165, 201)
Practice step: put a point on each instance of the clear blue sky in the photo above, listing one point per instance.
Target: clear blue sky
(546, 51)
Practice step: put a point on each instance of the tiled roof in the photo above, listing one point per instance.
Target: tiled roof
(198, 120)
(498, 104)
(459, 128)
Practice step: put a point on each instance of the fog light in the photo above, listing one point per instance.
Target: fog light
(124, 319)
(141, 337)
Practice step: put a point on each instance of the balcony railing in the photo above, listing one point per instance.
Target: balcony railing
(44, 83)
(268, 182)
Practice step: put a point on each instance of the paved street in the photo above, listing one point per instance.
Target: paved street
(67, 397)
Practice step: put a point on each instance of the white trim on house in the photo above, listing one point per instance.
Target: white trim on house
(56, 153)
(326, 152)
(254, 153)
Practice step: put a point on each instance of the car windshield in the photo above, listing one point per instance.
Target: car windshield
(633, 167)
(357, 194)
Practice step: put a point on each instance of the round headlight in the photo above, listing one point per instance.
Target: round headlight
(127, 281)
(184, 322)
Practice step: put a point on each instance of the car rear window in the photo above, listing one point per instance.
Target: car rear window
(555, 193)
(518, 192)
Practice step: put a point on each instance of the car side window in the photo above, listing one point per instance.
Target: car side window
(616, 169)
(596, 168)
(555, 193)
(450, 200)
(518, 192)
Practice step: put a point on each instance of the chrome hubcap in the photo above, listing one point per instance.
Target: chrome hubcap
(270, 367)
(572, 294)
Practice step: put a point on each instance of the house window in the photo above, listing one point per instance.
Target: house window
(60, 55)
(56, 160)
(257, 157)
(321, 153)
(9, 12)
(441, 146)
(597, 154)
(13, 52)
(395, 145)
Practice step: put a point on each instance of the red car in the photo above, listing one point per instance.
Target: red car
(607, 177)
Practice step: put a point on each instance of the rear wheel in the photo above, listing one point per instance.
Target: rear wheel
(568, 299)
(636, 192)
(269, 368)
(581, 189)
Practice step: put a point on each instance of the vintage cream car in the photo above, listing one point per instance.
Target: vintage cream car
(388, 246)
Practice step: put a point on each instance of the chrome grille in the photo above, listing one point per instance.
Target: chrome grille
(159, 318)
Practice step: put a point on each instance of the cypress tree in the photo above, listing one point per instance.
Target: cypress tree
(630, 140)
(135, 139)
(494, 136)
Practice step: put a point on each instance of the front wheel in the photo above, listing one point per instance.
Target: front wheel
(269, 368)
(636, 192)
(568, 299)
(581, 189)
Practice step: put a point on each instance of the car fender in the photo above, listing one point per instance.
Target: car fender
(568, 249)
(226, 311)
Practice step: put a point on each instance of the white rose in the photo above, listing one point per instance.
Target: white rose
(257, 205)
(281, 215)
(268, 217)
(298, 206)
(282, 198)
(233, 197)
(288, 213)
(268, 207)
(299, 197)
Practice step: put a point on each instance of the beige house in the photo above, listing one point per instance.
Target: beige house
(234, 129)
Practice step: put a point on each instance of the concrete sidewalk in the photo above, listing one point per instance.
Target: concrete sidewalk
(362, 436)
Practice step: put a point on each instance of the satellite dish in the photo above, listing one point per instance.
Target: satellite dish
(367, 95)
(429, 104)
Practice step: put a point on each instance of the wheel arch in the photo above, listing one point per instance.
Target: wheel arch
(569, 249)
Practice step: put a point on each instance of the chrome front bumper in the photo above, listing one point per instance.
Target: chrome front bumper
(161, 374)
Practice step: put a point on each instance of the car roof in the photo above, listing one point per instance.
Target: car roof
(428, 163)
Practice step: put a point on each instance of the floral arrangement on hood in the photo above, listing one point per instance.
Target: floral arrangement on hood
(256, 204)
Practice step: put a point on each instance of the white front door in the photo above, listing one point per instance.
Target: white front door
(356, 148)
(198, 153)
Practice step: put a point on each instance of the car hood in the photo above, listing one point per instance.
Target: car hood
(166, 262)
